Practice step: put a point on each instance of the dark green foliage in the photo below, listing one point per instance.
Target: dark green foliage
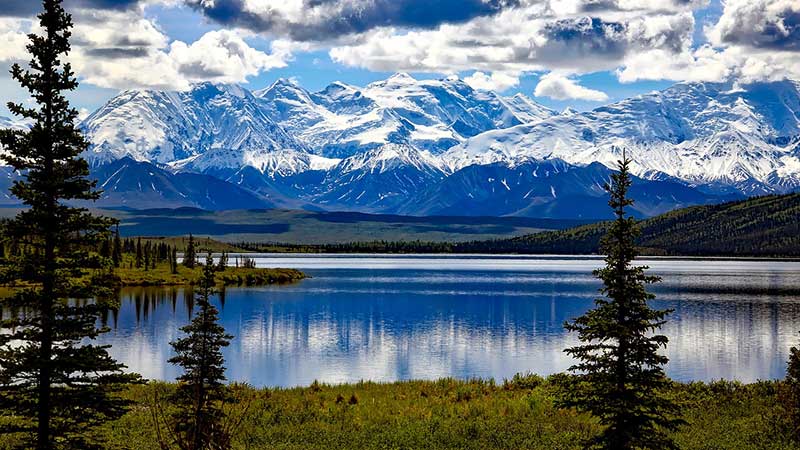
(619, 377)
(55, 386)
(223, 261)
(760, 226)
(139, 254)
(790, 394)
(116, 250)
(246, 262)
(190, 255)
(199, 421)
(174, 260)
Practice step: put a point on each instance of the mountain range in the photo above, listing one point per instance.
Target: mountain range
(438, 147)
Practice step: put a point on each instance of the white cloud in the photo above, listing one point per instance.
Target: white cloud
(83, 113)
(14, 38)
(222, 56)
(496, 81)
(559, 87)
(522, 40)
(754, 40)
(768, 24)
(122, 49)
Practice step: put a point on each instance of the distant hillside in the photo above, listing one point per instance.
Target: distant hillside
(761, 226)
(314, 227)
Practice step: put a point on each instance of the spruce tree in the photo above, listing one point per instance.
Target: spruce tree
(223, 261)
(116, 253)
(139, 256)
(55, 385)
(174, 259)
(619, 377)
(790, 394)
(190, 255)
(105, 248)
(198, 422)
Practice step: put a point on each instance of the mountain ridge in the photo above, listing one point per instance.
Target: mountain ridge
(411, 146)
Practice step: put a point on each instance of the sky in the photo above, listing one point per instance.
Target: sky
(563, 53)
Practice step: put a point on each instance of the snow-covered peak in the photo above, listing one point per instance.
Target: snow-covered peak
(337, 90)
(698, 132)
(206, 90)
(167, 126)
(343, 120)
(7, 123)
(282, 88)
(390, 157)
(399, 78)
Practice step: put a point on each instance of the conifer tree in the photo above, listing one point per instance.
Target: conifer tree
(55, 385)
(619, 377)
(174, 258)
(223, 261)
(198, 422)
(105, 249)
(116, 253)
(790, 393)
(190, 255)
(139, 255)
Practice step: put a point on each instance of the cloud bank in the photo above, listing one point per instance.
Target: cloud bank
(497, 41)
(321, 20)
(558, 87)
(116, 46)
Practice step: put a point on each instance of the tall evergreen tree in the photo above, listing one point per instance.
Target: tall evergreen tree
(790, 393)
(619, 377)
(190, 255)
(174, 260)
(139, 255)
(116, 253)
(105, 248)
(223, 261)
(199, 420)
(55, 386)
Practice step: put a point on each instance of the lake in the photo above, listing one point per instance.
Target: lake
(386, 318)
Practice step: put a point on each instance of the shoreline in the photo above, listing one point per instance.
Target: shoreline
(231, 276)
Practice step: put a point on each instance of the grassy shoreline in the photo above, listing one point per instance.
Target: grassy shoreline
(459, 414)
(231, 276)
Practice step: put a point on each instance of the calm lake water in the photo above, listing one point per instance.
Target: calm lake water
(408, 317)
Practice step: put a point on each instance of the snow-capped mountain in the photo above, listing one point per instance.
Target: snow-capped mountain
(380, 178)
(707, 134)
(343, 120)
(411, 146)
(546, 188)
(222, 123)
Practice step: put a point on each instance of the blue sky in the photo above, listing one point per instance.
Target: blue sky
(576, 53)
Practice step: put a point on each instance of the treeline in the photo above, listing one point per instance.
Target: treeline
(761, 226)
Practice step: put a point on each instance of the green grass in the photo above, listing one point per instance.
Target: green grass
(452, 414)
(161, 275)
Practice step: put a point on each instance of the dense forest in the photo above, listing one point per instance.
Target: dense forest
(760, 226)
